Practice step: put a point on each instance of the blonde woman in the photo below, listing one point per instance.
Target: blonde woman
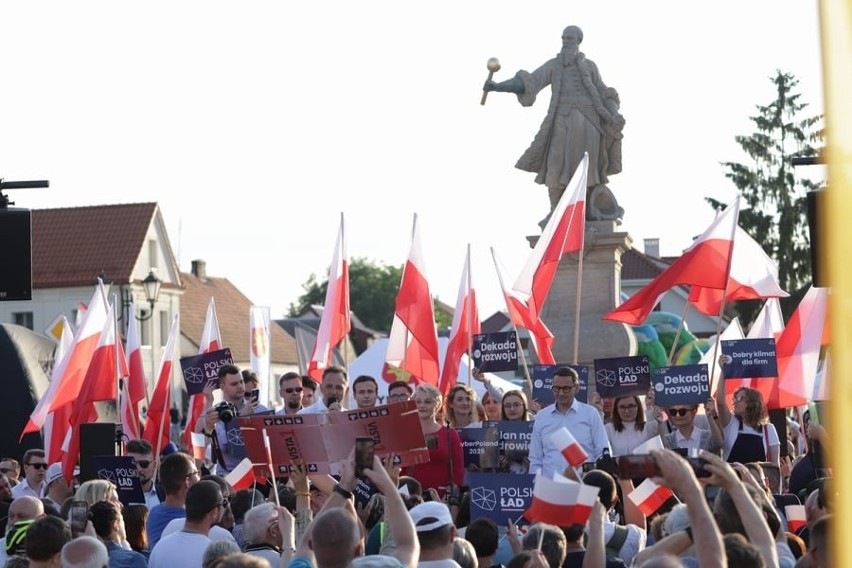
(443, 443)
(460, 408)
(96, 490)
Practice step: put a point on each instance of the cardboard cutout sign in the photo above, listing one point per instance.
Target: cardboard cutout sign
(199, 370)
(622, 376)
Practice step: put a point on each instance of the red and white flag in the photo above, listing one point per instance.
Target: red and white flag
(649, 496)
(210, 341)
(157, 426)
(413, 341)
(519, 313)
(796, 517)
(822, 381)
(560, 501)
(563, 233)
(198, 444)
(753, 275)
(705, 263)
(259, 334)
(242, 476)
(68, 378)
(53, 443)
(129, 422)
(655, 443)
(569, 447)
(137, 385)
(466, 324)
(335, 323)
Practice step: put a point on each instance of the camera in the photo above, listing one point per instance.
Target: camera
(607, 463)
(226, 411)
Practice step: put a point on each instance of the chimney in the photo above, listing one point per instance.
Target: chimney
(652, 247)
(199, 269)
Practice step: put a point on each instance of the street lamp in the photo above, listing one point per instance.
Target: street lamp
(151, 284)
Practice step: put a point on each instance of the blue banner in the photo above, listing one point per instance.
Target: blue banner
(199, 370)
(686, 384)
(121, 472)
(494, 352)
(515, 436)
(543, 381)
(500, 496)
(752, 358)
(622, 376)
(481, 447)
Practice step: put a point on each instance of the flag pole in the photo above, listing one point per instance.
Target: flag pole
(514, 326)
(680, 328)
(469, 321)
(725, 293)
(117, 366)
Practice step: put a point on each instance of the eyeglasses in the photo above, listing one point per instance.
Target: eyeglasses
(291, 390)
(144, 463)
(399, 396)
(628, 407)
(37, 465)
(513, 405)
(739, 398)
(679, 411)
(569, 388)
(225, 503)
(191, 473)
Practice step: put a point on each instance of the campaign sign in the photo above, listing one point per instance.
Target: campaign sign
(121, 472)
(685, 384)
(199, 370)
(493, 352)
(752, 358)
(481, 447)
(515, 436)
(364, 491)
(500, 496)
(543, 381)
(622, 376)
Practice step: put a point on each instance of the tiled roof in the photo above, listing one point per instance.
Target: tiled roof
(637, 265)
(232, 310)
(72, 246)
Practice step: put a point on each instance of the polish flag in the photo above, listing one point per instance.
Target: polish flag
(798, 350)
(157, 426)
(137, 386)
(649, 496)
(242, 476)
(335, 323)
(558, 501)
(53, 443)
(822, 381)
(68, 377)
(753, 275)
(129, 421)
(519, 313)
(706, 263)
(563, 233)
(413, 341)
(569, 447)
(733, 331)
(465, 325)
(210, 341)
(199, 445)
(655, 443)
(796, 517)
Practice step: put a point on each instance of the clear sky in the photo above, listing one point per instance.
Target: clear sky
(254, 124)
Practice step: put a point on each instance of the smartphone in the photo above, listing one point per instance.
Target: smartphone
(698, 467)
(79, 515)
(632, 467)
(254, 394)
(364, 447)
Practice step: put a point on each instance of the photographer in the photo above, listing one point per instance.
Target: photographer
(219, 423)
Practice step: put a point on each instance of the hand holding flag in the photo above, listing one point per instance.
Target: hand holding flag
(569, 447)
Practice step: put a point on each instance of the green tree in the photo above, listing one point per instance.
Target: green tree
(774, 206)
(372, 294)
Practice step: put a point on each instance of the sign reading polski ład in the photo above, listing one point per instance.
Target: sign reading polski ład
(685, 384)
(199, 370)
(622, 376)
(752, 358)
(493, 352)
(500, 496)
(543, 382)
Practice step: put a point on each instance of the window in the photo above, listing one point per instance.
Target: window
(145, 332)
(165, 326)
(24, 319)
(153, 255)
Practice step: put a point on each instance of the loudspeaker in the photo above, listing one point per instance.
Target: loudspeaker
(816, 204)
(96, 439)
(16, 256)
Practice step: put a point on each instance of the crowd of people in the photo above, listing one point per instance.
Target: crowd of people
(731, 511)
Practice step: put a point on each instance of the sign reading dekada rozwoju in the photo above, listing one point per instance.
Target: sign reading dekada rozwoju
(495, 352)
(622, 376)
(684, 384)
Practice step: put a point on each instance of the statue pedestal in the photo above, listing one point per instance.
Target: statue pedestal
(601, 288)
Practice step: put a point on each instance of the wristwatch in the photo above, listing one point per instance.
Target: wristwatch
(346, 494)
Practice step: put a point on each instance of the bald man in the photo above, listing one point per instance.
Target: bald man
(24, 508)
(85, 551)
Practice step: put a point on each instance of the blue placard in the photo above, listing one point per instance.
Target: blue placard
(494, 352)
(622, 376)
(686, 384)
(121, 472)
(500, 496)
(363, 491)
(752, 358)
(543, 381)
(515, 436)
(481, 447)
(199, 370)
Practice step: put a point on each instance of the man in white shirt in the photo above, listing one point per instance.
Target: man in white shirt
(35, 468)
(56, 488)
(261, 533)
(582, 420)
(335, 390)
(185, 549)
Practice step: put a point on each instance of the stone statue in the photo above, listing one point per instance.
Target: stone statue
(583, 117)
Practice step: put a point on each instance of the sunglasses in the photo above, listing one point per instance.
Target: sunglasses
(5, 470)
(144, 463)
(37, 465)
(291, 390)
(679, 411)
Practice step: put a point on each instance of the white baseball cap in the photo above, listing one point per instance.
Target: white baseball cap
(430, 515)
